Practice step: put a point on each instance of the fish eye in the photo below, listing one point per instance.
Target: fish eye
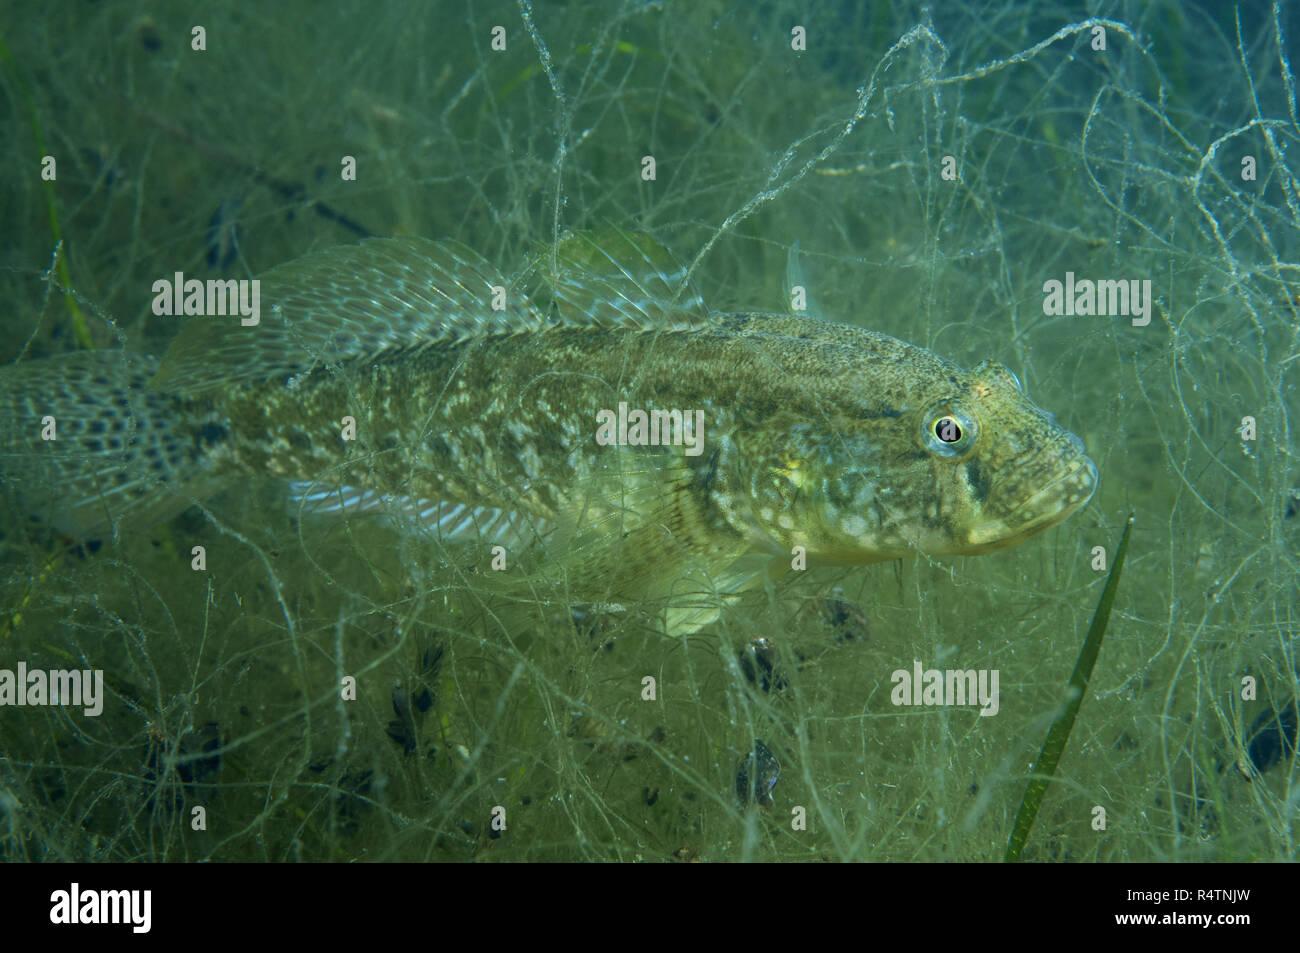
(948, 429)
(948, 432)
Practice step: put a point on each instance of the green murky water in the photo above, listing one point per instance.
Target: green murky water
(1168, 157)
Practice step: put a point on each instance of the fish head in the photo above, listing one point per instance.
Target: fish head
(1002, 467)
(948, 462)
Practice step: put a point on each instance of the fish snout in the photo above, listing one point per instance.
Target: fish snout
(1071, 487)
(1085, 479)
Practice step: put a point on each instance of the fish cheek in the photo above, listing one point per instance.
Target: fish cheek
(977, 480)
(953, 506)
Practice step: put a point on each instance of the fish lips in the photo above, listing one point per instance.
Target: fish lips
(1068, 492)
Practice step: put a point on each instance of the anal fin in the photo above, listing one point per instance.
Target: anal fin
(447, 520)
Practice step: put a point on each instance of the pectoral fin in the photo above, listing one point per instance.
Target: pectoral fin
(640, 533)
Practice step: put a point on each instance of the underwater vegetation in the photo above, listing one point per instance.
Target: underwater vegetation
(649, 431)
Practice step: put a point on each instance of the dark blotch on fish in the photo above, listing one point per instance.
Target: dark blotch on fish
(210, 434)
(977, 481)
(757, 776)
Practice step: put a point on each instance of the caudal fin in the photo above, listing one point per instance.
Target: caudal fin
(84, 442)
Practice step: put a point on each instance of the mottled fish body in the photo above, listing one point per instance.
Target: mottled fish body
(483, 423)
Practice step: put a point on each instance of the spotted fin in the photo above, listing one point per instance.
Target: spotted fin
(84, 445)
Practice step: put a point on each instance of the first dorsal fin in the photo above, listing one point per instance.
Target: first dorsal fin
(348, 303)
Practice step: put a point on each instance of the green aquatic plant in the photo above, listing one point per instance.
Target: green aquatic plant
(80, 330)
(1058, 735)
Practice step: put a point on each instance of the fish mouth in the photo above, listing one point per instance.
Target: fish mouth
(1053, 503)
(1060, 497)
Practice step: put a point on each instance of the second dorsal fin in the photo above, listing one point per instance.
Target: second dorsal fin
(613, 278)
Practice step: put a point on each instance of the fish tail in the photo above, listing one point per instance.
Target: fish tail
(85, 442)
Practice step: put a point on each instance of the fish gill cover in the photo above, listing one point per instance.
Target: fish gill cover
(1103, 206)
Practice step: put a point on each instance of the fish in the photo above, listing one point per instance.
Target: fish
(415, 379)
